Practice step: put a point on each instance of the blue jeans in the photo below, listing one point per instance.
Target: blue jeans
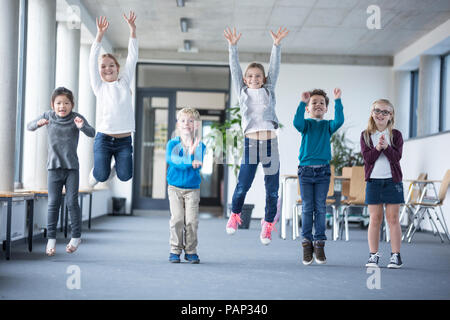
(105, 147)
(266, 152)
(314, 184)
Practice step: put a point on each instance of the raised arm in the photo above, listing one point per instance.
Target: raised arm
(275, 56)
(96, 80)
(338, 120)
(235, 68)
(299, 118)
(133, 48)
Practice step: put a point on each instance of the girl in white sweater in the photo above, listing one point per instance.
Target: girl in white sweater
(114, 104)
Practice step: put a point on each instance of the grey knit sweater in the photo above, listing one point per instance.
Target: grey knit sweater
(63, 137)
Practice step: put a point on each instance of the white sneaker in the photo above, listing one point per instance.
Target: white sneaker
(92, 181)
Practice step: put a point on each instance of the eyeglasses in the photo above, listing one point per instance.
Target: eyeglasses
(383, 112)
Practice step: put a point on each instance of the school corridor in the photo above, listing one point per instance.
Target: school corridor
(126, 257)
(179, 57)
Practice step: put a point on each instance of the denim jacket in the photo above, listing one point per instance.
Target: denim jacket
(269, 86)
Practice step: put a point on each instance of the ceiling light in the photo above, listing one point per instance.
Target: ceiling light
(184, 25)
(180, 3)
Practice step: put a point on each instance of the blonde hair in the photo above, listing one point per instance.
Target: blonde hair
(372, 127)
(191, 112)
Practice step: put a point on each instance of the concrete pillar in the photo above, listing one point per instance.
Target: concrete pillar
(67, 58)
(402, 101)
(87, 108)
(9, 35)
(428, 98)
(40, 82)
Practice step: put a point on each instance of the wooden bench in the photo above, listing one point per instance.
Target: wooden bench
(9, 197)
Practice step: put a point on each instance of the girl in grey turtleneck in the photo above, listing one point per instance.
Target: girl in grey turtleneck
(63, 128)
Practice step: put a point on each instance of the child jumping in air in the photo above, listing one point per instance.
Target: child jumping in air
(314, 168)
(114, 104)
(381, 147)
(184, 155)
(63, 126)
(256, 94)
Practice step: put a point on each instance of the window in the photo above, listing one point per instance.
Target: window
(444, 106)
(413, 107)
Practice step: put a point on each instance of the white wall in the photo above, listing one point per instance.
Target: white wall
(360, 85)
(430, 155)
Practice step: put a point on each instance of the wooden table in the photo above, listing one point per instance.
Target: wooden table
(9, 197)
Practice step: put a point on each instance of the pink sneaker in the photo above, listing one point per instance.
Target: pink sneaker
(233, 222)
(266, 231)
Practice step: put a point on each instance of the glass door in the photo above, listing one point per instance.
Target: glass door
(155, 114)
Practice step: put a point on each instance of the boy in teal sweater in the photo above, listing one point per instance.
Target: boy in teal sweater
(184, 155)
(314, 169)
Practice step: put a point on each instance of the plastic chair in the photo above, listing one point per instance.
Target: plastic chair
(426, 205)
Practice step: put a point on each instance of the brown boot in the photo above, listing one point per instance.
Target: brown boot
(307, 252)
(319, 252)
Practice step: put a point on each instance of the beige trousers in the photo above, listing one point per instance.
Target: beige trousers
(184, 205)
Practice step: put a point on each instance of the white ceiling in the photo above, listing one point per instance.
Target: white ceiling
(327, 27)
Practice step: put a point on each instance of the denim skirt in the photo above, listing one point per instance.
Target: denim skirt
(380, 191)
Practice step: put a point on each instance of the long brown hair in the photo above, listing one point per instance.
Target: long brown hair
(372, 127)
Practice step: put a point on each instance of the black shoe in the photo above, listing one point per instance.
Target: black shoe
(307, 252)
(395, 262)
(373, 260)
(319, 252)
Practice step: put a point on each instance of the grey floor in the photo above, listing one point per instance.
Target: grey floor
(126, 258)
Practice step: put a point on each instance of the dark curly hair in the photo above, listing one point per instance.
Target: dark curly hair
(320, 92)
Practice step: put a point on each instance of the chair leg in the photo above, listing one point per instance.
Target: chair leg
(294, 224)
(442, 222)
(434, 225)
(415, 216)
(419, 220)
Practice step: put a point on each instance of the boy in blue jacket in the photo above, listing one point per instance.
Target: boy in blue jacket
(184, 155)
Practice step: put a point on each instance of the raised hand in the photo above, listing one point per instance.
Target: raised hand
(337, 93)
(279, 35)
(305, 97)
(42, 122)
(102, 26)
(78, 122)
(130, 20)
(232, 36)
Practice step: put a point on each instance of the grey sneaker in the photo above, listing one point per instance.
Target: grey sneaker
(396, 261)
(373, 260)
(307, 252)
(319, 252)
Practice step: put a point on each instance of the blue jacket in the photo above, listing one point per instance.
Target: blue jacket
(316, 148)
(180, 172)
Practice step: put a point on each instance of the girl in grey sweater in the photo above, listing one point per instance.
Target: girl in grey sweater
(63, 126)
